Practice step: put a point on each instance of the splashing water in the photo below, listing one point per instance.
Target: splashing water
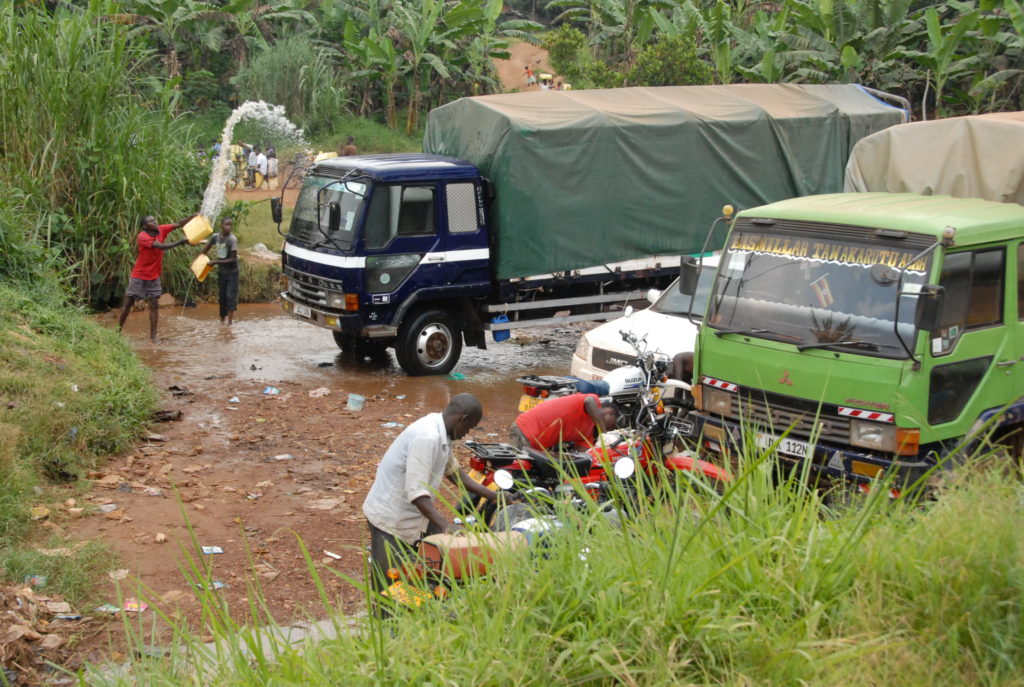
(273, 117)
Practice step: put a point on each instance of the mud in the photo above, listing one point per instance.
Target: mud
(208, 481)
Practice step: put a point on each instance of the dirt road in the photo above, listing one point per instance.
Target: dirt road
(219, 475)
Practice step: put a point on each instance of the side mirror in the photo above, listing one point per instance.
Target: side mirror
(930, 300)
(653, 295)
(333, 218)
(275, 210)
(503, 478)
(624, 468)
(689, 275)
(628, 312)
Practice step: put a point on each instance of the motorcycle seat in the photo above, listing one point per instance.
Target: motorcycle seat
(558, 465)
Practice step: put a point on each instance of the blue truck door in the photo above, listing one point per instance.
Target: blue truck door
(402, 244)
(466, 254)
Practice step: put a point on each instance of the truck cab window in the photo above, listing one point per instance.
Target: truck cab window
(462, 215)
(399, 211)
(973, 282)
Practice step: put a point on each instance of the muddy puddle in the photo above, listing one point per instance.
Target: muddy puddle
(267, 346)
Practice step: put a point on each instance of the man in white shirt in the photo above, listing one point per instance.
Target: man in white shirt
(261, 167)
(399, 507)
(251, 171)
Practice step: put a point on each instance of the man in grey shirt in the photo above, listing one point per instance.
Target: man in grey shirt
(399, 507)
(227, 269)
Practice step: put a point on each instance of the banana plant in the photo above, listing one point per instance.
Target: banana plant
(943, 59)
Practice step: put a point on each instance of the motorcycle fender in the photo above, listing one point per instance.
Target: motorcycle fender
(688, 463)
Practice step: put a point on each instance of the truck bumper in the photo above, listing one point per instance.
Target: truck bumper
(348, 323)
(720, 436)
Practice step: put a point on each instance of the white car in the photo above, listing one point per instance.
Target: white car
(665, 324)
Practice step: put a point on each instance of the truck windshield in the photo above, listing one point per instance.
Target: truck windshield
(348, 196)
(672, 302)
(817, 292)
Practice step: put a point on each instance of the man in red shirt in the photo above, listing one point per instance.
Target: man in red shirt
(566, 419)
(144, 283)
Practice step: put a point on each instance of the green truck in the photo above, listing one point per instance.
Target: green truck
(869, 334)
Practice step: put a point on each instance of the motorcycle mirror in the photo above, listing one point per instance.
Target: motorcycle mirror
(624, 468)
(503, 478)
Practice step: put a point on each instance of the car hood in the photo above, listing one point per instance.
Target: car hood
(668, 334)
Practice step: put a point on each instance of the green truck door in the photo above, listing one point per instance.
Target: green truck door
(973, 364)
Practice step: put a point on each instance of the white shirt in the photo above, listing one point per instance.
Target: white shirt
(261, 162)
(412, 467)
(252, 159)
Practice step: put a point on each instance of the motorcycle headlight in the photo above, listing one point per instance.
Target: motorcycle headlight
(873, 435)
(583, 349)
(717, 401)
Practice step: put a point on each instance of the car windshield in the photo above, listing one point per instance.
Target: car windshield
(320, 193)
(672, 302)
(817, 293)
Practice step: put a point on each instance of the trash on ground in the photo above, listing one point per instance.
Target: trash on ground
(391, 424)
(155, 437)
(355, 402)
(160, 538)
(400, 397)
(67, 616)
(271, 391)
(154, 491)
(215, 586)
(253, 495)
(74, 387)
(319, 392)
(332, 555)
(133, 605)
(108, 608)
(35, 581)
(234, 399)
(278, 458)
(456, 375)
(39, 512)
(119, 574)
(210, 550)
(57, 606)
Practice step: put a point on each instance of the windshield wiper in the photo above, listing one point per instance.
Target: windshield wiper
(752, 330)
(852, 342)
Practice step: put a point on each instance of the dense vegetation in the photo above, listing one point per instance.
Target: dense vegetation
(763, 586)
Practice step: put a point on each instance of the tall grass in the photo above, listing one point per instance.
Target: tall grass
(88, 140)
(760, 586)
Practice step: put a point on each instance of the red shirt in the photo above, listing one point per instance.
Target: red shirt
(557, 420)
(151, 260)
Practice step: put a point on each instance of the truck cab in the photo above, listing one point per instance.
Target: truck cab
(377, 242)
(867, 334)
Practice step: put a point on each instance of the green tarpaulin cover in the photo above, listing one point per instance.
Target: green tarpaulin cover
(586, 178)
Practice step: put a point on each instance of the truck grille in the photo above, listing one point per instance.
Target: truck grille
(606, 360)
(309, 289)
(777, 413)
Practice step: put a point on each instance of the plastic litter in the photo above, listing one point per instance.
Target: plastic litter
(210, 550)
(319, 393)
(74, 387)
(108, 507)
(133, 605)
(108, 608)
(456, 375)
(400, 397)
(234, 399)
(215, 585)
(391, 424)
(278, 458)
(39, 512)
(355, 402)
(272, 391)
(332, 555)
(67, 616)
(35, 581)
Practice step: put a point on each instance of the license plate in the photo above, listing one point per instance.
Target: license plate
(527, 402)
(790, 447)
(303, 310)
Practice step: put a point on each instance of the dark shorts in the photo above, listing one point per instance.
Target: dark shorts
(144, 289)
(227, 290)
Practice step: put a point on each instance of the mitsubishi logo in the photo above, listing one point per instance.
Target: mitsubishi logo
(785, 379)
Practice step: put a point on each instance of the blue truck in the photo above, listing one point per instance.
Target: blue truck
(546, 208)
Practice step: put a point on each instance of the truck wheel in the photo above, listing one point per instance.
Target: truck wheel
(428, 343)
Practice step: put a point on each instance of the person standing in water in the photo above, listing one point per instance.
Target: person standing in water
(227, 269)
(144, 282)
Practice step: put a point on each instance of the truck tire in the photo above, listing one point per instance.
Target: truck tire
(360, 348)
(428, 343)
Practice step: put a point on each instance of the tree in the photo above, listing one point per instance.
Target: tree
(669, 62)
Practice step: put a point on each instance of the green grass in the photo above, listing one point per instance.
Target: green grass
(762, 586)
(72, 393)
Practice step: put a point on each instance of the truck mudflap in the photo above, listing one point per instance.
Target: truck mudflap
(723, 436)
(349, 323)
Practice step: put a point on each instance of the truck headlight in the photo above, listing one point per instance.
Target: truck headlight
(335, 300)
(872, 435)
(583, 349)
(717, 401)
